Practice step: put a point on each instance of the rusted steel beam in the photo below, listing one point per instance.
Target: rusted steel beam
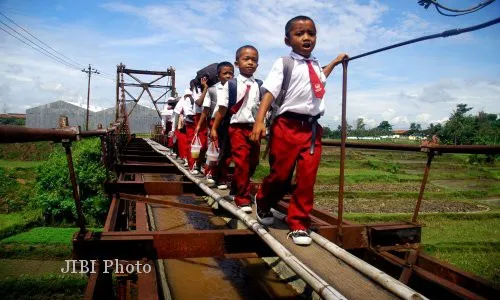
(147, 84)
(472, 149)
(169, 202)
(411, 258)
(389, 236)
(99, 285)
(76, 194)
(430, 155)
(18, 134)
(340, 209)
(147, 285)
(146, 168)
(145, 72)
(467, 280)
(161, 245)
(146, 282)
(156, 158)
(141, 217)
(92, 133)
(448, 284)
(375, 146)
(112, 214)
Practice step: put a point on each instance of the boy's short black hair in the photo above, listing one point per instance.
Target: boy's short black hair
(289, 24)
(224, 64)
(240, 49)
(193, 84)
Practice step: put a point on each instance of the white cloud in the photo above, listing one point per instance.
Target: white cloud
(423, 117)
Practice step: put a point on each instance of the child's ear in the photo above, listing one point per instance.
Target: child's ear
(287, 41)
(236, 63)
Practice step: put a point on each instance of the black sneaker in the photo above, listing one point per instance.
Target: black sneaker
(300, 237)
(265, 218)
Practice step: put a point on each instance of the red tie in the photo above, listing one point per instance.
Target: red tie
(316, 85)
(238, 105)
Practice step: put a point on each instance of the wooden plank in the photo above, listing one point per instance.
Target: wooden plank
(341, 276)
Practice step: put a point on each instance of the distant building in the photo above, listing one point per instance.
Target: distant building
(13, 116)
(400, 131)
(141, 120)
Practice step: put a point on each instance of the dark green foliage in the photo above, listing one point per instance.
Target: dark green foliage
(463, 129)
(46, 287)
(14, 194)
(26, 151)
(12, 121)
(54, 191)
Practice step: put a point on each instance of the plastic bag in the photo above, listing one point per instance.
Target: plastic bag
(195, 147)
(212, 152)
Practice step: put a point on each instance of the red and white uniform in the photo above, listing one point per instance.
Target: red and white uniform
(189, 114)
(214, 169)
(291, 141)
(181, 135)
(245, 153)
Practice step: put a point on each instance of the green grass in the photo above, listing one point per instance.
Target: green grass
(11, 164)
(36, 251)
(43, 235)
(16, 222)
(472, 245)
(26, 151)
(44, 287)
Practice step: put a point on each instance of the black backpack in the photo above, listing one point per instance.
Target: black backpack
(210, 72)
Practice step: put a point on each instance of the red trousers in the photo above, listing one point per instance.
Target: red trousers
(203, 136)
(245, 154)
(181, 143)
(190, 126)
(290, 148)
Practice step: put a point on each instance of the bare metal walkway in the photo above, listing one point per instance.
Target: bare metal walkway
(330, 276)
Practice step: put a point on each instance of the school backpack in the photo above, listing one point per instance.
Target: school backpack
(287, 75)
(233, 88)
(210, 72)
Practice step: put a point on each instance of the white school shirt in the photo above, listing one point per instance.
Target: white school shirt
(250, 103)
(219, 89)
(178, 110)
(187, 106)
(167, 114)
(178, 107)
(299, 97)
(196, 96)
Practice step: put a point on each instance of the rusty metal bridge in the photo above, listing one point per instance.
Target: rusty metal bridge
(346, 260)
(152, 194)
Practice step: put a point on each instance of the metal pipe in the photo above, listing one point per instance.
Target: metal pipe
(375, 274)
(18, 134)
(340, 210)
(74, 185)
(315, 281)
(430, 156)
(472, 149)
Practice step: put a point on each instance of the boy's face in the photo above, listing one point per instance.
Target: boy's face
(247, 62)
(226, 73)
(302, 37)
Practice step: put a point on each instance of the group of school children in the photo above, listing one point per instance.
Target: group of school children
(231, 117)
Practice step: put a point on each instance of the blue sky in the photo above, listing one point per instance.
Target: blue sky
(420, 83)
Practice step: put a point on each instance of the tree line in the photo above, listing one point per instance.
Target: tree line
(460, 129)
